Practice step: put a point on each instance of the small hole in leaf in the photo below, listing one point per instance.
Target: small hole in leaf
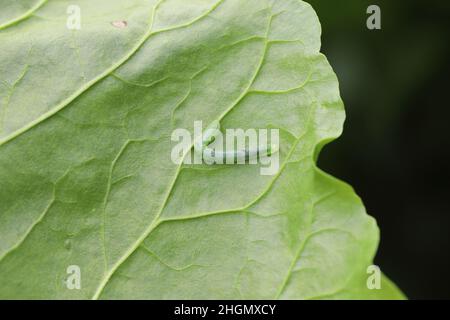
(120, 24)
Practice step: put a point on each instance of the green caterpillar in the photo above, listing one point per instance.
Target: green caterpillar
(209, 136)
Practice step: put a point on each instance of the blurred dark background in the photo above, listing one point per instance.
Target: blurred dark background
(395, 150)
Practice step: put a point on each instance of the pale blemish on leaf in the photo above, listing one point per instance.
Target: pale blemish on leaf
(120, 24)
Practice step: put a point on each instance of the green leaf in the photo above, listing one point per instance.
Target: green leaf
(85, 172)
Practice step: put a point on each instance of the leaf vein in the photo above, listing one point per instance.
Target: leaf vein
(24, 16)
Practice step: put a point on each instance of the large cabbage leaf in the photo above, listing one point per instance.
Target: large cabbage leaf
(85, 172)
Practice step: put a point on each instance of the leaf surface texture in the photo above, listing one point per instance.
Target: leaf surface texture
(85, 171)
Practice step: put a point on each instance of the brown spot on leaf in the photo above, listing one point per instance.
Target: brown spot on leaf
(120, 24)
